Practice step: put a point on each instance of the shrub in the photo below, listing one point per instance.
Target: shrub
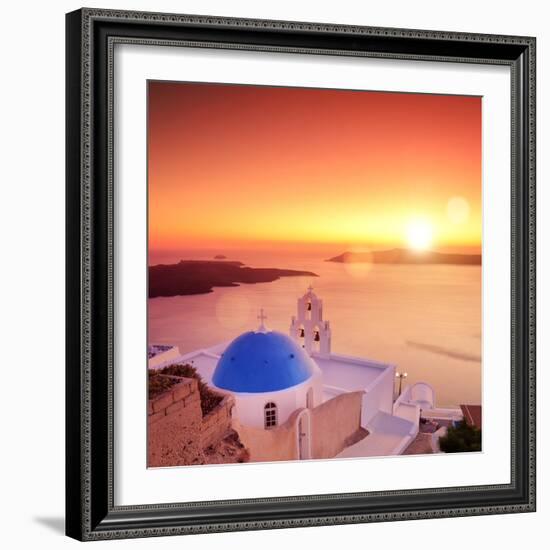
(158, 384)
(209, 399)
(460, 439)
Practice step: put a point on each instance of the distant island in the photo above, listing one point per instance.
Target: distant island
(405, 256)
(200, 276)
(220, 257)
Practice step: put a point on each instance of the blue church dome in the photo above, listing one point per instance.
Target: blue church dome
(257, 362)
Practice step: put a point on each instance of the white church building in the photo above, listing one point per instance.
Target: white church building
(276, 377)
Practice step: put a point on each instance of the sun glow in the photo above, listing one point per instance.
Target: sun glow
(419, 235)
(281, 167)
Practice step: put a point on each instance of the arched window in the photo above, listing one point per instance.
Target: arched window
(270, 415)
(316, 339)
(308, 310)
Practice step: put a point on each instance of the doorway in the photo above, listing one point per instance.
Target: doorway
(309, 398)
(304, 435)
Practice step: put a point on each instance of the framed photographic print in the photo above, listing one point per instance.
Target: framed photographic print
(300, 274)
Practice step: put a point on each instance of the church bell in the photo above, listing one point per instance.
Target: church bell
(317, 338)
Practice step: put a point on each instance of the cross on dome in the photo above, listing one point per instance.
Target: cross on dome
(262, 317)
(310, 288)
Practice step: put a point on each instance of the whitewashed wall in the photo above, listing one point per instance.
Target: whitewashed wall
(249, 407)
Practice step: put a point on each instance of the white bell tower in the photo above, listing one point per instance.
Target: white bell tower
(308, 327)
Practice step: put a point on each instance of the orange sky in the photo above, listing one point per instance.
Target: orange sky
(233, 164)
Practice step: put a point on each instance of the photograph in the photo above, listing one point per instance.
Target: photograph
(314, 268)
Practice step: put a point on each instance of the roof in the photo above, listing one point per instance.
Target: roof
(160, 355)
(472, 415)
(349, 373)
(259, 362)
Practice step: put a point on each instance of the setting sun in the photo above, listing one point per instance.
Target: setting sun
(419, 235)
(250, 178)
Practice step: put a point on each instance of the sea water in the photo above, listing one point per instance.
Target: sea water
(425, 319)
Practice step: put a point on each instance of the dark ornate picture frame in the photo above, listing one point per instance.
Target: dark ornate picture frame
(90, 510)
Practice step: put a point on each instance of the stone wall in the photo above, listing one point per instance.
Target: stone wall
(217, 423)
(177, 432)
(174, 426)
